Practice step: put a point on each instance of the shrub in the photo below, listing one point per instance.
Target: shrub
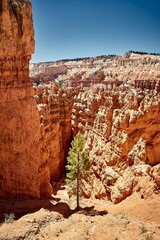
(9, 218)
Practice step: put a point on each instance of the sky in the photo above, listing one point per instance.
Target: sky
(67, 29)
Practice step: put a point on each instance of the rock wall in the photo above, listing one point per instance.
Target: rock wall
(116, 105)
(113, 101)
(122, 130)
(24, 173)
(55, 108)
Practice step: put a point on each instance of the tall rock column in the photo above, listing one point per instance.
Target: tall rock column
(23, 173)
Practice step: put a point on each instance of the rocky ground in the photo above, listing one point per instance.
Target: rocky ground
(134, 218)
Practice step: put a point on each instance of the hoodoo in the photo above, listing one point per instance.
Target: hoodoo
(117, 110)
(23, 172)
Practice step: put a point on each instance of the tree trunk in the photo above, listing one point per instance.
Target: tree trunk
(78, 184)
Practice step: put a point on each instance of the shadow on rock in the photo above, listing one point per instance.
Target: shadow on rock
(90, 211)
(58, 186)
(21, 208)
(64, 209)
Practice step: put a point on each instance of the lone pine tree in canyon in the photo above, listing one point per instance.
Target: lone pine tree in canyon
(78, 167)
(112, 101)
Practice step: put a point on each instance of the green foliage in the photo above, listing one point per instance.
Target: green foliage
(78, 165)
(142, 53)
(9, 218)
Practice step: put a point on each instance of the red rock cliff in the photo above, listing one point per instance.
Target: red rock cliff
(55, 108)
(23, 172)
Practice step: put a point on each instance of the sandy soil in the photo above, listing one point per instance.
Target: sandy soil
(132, 219)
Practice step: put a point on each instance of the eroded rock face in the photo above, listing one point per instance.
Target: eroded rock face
(122, 130)
(55, 108)
(116, 106)
(23, 170)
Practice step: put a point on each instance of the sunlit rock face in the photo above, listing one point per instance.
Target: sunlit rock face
(24, 173)
(122, 130)
(116, 105)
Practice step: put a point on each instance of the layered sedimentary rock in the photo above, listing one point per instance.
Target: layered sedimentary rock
(24, 173)
(116, 106)
(113, 101)
(127, 68)
(46, 72)
(55, 108)
(122, 130)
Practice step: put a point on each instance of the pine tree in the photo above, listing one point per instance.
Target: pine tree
(78, 166)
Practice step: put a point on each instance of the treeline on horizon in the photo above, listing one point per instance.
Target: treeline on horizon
(100, 57)
(143, 53)
(81, 59)
(86, 58)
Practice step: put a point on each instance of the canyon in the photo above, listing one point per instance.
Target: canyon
(114, 101)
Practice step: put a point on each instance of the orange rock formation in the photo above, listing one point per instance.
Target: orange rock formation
(119, 119)
(24, 173)
(122, 130)
(55, 108)
(113, 101)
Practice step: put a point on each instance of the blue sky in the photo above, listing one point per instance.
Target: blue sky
(86, 28)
